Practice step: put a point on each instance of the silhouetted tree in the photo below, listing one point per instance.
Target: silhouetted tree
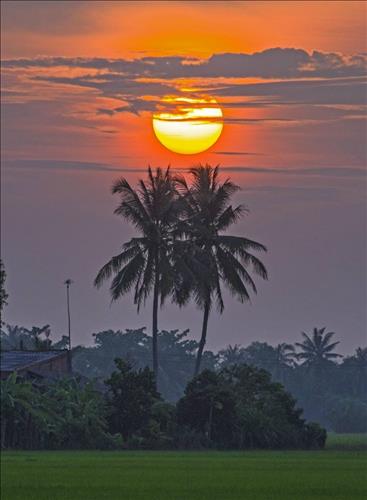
(225, 259)
(144, 261)
(40, 344)
(267, 414)
(14, 337)
(208, 407)
(3, 294)
(132, 395)
(316, 350)
(239, 407)
(261, 355)
(19, 337)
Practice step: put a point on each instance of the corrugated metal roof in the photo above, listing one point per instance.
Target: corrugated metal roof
(16, 360)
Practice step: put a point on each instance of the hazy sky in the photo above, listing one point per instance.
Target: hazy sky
(80, 81)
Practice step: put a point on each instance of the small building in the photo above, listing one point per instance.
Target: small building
(39, 364)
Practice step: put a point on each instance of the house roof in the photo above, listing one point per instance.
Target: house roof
(18, 360)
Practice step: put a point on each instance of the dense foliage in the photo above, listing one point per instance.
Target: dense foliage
(131, 397)
(237, 407)
(331, 393)
(61, 414)
(177, 357)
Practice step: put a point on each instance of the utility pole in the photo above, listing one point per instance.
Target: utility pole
(68, 282)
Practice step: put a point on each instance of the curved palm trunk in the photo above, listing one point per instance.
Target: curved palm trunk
(202, 339)
(155, 326)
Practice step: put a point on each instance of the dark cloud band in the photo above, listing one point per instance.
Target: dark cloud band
(270, 63)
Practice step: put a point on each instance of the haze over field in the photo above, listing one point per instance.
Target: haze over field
(81, 81)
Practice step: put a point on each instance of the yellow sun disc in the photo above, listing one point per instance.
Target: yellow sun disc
(189, 130)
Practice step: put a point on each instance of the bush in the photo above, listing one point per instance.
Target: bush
(314, 436)
(241, 408)
(131, 397)
(208, 408)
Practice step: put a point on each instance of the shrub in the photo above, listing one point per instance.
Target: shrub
(241, 408)
(208, 408)
(314, 436)
(131, 397)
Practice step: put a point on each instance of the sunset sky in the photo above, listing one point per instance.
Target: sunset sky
(80, 84)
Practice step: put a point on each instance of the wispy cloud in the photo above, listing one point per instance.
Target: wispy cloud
(294, 193)
(105, 167)
(237, 153)
(318, 172)
(66, 165)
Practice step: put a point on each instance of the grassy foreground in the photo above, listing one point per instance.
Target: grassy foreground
(347, 442)
(338, 475)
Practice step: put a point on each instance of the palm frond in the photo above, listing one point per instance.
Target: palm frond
(127, 276)
(231, 277)
(115, 264)
(326, 338)
(230, 216)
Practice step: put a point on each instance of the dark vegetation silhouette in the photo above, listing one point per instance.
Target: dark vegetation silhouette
(317, 350)
(3, 294)
(240, 407)
(207, 214)
(336, 397)
(144, 261)
(236, 408)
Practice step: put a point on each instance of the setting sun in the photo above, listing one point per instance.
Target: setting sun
(193, 127)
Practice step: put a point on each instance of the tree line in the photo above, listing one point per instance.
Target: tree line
(332, 389)
(237, 407)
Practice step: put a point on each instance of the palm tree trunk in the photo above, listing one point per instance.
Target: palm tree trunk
(155, 326)
(203, 339)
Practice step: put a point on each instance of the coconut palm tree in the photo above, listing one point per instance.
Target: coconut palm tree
(223, 259)
(144, 262)
(317, 349)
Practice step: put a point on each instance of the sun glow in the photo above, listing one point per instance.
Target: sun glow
(193, 127)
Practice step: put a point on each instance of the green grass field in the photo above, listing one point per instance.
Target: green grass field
(346, 442)
(334, 474)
